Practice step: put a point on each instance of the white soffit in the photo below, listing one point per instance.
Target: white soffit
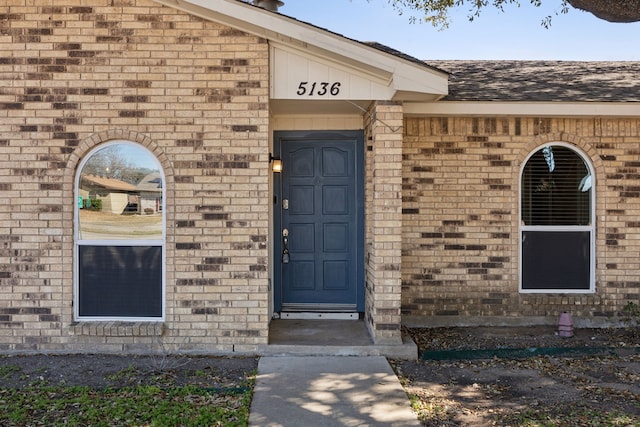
(323, 54)
(538, 109)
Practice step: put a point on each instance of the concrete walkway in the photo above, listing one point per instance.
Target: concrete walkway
(329, 391)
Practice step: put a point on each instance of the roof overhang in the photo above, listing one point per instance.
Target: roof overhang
(537, 109)
(301, 53)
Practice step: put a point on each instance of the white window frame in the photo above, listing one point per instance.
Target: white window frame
(590, 228)
(121, 242)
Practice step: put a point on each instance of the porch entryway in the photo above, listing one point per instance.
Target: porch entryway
(318, 156)
(331, 338)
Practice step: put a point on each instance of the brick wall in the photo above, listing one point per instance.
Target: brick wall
(76, 74)
(460, 219)
(383, 222)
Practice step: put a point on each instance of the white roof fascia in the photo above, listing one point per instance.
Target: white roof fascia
(538, 109)
(407, 76)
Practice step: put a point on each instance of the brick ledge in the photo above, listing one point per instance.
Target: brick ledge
(118, 329)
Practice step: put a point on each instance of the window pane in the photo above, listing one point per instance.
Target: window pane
(120, 195)
(556, 260)
(120, 281)
(556, 188)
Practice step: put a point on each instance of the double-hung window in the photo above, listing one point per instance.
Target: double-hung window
(119, 235)
(557, 231)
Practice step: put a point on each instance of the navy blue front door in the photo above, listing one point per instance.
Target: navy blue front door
(319, 217)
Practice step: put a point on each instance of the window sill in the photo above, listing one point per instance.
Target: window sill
(118, 329)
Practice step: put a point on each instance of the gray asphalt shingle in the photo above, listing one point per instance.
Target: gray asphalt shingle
(499, 80)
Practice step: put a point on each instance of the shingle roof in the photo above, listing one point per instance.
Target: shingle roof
(396, 53)
(151, 183)
(541, 80)
(109, 183)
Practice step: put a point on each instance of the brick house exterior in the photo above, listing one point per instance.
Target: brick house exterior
(200, 85)
(461, 190)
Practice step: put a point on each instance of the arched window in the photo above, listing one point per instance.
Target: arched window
(557, 231)
(119, 234)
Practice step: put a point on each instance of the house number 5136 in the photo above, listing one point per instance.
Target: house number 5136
(318, 88)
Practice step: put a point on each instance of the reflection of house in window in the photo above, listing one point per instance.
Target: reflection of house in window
(119, 197)
(149, 194)
(113, 193)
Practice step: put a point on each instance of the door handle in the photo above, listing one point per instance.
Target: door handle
(285, 249)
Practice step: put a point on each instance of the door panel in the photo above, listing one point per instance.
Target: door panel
(321, 188)
(301, 200)
(335, 200)
(336, 238)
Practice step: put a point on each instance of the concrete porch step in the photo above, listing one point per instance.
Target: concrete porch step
(330, 338)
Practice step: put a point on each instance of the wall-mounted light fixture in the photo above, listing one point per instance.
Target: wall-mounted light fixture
(276, 163)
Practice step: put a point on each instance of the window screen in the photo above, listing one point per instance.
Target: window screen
(555, 260)
(120, 281)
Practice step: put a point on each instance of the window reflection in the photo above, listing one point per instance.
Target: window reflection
(120, 195)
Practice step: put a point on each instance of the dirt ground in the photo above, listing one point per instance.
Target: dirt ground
(588, 389)
(598, 385)
(101, 371)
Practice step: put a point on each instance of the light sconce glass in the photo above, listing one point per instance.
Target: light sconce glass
(276, 163)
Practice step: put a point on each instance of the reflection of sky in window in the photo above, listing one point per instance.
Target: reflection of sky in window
(139, 156)
(548, 157)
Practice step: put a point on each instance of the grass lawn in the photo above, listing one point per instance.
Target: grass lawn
(142, 405)
(61, 393)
